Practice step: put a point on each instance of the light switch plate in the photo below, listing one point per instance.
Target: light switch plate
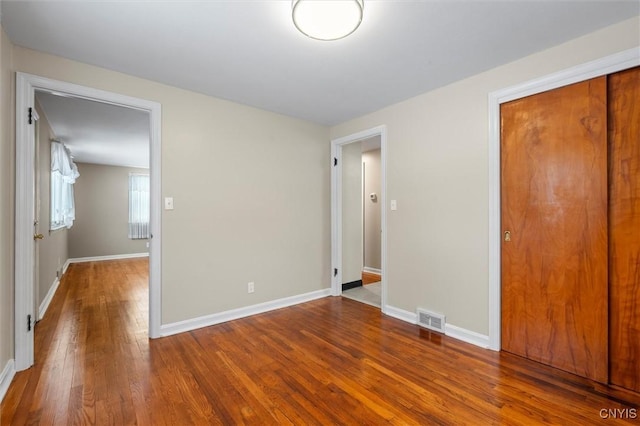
(394, 205)
(168, 203)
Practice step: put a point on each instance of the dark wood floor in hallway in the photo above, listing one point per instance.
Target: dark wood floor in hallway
(328, 362)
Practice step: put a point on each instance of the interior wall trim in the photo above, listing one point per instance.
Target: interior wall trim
(26, 86)
(233, 314)
(450, 330)
(7, 375)
(607, 65)
(477, 339)
(66, 266)
(47, 299)
(336, 207)
(401, 314)
(102, 258)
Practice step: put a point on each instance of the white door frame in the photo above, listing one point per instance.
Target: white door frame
(26, 85)
(336, 207)
(610, 64)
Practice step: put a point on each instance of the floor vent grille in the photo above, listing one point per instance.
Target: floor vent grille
(431, 320)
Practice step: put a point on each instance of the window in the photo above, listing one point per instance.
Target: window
(64, 173)
(139, 206)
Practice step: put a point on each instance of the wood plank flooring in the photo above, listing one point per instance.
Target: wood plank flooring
(370, 277)
(328, 362)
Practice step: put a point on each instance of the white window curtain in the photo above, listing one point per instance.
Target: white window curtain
(139, 207)
(64, 173)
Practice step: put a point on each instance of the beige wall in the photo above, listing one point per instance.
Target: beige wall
(102, 212)
(251, 191)
(52, 249)
(437, 170)
(7, 185)
(351, 212)
(372, 209)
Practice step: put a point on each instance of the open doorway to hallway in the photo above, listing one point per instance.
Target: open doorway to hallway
(347, 222)
(103, 214)
(361, 219)
(109, 104)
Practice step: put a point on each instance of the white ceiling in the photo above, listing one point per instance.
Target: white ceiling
(96, 132)
(250, 52)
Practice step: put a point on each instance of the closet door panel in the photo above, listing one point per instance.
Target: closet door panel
(624, 228)
(554, 220)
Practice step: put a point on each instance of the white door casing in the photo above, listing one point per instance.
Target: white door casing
(336, 207)
(610, 64)
(26, 85)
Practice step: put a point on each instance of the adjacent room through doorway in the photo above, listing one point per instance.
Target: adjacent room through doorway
(88, 146)
(361, 219)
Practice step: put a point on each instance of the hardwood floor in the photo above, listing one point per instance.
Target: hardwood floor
(370, 277)
(331, 361)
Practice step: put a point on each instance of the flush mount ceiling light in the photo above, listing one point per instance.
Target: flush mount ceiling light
(327, 19)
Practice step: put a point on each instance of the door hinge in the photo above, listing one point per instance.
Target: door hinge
(335, 161)
(335, 272)
(29, 322)
(30, 115)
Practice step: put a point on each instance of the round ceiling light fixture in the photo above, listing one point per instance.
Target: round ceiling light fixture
(327, 19)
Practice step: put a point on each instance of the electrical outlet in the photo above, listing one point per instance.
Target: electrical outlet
(250, 287)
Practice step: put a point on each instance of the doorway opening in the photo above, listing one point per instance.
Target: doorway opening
(27, 86)
(359, 217)
(361, 236)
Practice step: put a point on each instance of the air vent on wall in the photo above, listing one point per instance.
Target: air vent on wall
(431, 320)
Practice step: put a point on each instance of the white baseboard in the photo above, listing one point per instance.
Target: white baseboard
(66, 266)
(111, 257)
(467, 335)
(450, 330)
(6, 377)
(213, 319)
(401, 314)
(372, 270)
(47, 300)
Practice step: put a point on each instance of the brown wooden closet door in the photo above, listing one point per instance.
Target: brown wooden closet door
(554, 203)
(624, 228)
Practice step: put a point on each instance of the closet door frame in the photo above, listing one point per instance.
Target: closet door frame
(608, 65)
